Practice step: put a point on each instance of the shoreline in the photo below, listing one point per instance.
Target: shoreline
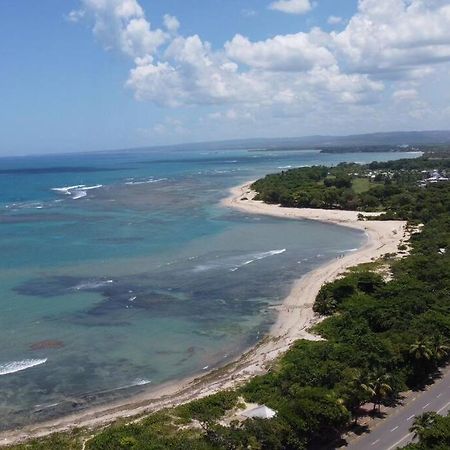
(295, 318)
(382, 237)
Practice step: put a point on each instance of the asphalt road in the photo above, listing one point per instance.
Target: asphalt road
(394, 432)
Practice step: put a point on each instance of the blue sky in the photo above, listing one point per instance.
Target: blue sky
(84, 75)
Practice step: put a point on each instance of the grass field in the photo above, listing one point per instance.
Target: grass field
(360, 185)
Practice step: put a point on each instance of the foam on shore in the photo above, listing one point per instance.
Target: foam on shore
(17, 366)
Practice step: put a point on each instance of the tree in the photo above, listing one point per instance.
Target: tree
(360, 392)
(433, 432)
(369, 282)
(378, 389)
(440, 348)
(422, 422)
(421, 350)
(343, 181)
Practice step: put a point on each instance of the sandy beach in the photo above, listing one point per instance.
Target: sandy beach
(295, 318)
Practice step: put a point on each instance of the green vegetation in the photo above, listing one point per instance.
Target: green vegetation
(380, 337)
(436, 150)
(360, 185)
(391, 187)
(159, 431)
(209, 409)
(432, 431)
(365, 149)
(58, 441)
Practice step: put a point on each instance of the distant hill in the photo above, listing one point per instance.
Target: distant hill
(392, 138)
(357, 142)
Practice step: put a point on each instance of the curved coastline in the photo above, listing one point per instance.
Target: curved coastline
(295, 317)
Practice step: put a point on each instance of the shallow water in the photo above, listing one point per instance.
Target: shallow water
(120, 271)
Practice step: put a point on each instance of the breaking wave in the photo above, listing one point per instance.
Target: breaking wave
(346, 250)
(232, 264)
(24, 205)
(258, 257)
(137, 382)
(92, 285)
(77, 191)
(141, 382)
(17, 366)
(133, 182)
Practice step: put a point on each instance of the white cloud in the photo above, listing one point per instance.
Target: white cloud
(193, 74)
(334, 20)
(170, 125)
(291, 6)
(171, 23)
(292, 52)
(380, 61)
(233, 114)
(248, 13)
(121, 24)
(75, 16)
(395, 35)
(405, 95)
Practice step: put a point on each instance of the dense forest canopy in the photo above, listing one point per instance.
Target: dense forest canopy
(392, 187)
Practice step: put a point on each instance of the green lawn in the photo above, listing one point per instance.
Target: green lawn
(360, 185)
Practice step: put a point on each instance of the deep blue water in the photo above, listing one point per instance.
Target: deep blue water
(120, 271)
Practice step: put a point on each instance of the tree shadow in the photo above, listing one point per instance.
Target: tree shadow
(394, 402)
(423, 384)
(378, 414)
(359, 429)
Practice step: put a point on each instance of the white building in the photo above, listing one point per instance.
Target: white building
(260, 412)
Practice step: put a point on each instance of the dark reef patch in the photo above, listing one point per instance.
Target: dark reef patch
(27, 218)
(201, 299)
(47, 344)
(123, 240)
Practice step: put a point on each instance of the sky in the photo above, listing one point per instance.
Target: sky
(82, 75)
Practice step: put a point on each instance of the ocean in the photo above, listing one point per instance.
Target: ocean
(119, 271)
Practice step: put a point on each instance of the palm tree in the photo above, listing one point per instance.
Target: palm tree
(421, 423)
(360, 392)
(421, 350)
(378, 388)
(440, 348)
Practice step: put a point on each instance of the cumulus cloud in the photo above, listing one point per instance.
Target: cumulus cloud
(405, 95)
(381, 55)
(291, 6)
(121, 24)
(192, 74)
(334, 20)
(395, 35)
(171, 23)
(292, 52)
(233, 114)
(75, 15)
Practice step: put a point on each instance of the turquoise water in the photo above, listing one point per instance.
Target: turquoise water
(119, 271)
